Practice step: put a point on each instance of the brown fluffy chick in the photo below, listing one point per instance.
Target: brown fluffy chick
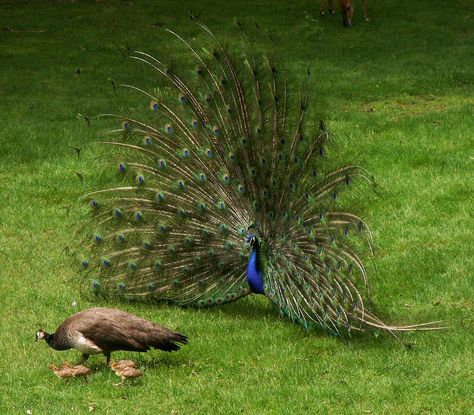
(63, 372)
(128, 372)
(122, 364)
(77, 370)
(66, 371)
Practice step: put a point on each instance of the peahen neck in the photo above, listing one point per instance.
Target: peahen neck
(49, 338)
(255, 269)
(55, 342)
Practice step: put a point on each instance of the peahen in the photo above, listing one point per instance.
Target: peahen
(224, 188)
(105, 330)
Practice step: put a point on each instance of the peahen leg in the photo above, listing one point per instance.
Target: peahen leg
(83, 358)
(107, 356)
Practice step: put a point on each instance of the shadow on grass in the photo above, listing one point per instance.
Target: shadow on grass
(153, 359)
(256, 308)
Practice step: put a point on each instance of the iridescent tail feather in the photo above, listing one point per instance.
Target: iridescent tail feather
(223, 147)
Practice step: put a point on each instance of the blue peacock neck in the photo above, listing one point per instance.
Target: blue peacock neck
(255, 269)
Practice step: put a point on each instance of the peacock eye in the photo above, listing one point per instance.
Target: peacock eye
(250, 239)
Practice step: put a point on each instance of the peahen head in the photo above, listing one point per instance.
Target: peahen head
(42, 335)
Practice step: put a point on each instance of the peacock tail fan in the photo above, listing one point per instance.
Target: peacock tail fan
(222, 151)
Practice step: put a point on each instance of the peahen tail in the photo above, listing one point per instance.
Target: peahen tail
(223, 188)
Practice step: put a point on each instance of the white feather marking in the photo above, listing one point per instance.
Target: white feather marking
(85, 345)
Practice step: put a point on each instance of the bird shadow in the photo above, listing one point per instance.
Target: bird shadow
(248, 308)
(145, 360)
(257, 308)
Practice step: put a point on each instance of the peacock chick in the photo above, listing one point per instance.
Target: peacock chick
(63, 372)
(122, 364)
(104, 330)
(127, 372)
(78, 370)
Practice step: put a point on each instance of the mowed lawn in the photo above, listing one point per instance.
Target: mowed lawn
(397, 93)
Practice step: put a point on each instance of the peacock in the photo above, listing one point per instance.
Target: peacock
(224, 187)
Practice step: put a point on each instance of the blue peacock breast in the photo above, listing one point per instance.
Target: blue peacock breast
(254, 273)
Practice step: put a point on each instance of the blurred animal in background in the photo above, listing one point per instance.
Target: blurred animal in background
(347, 10)
(226, 184)
(104, 330)
(330, 7)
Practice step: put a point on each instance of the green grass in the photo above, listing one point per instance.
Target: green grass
(397, 91)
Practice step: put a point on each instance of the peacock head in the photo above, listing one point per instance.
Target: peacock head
(251, 240)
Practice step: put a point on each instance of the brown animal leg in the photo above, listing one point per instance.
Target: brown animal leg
(83, 358)
(331, 6)
(364, 9)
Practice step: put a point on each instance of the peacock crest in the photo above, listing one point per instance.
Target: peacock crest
(224, 188)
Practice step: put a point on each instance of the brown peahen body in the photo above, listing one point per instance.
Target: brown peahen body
(104, 330)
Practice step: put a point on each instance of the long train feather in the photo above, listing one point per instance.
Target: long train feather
(225, 167)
